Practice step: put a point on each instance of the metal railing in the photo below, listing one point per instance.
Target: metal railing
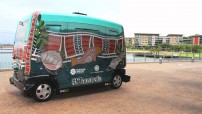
(148, 57)
(5, 65)
(130, 57)
(5, 59)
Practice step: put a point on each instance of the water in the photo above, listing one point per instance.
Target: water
(130, 57)
(6, 59)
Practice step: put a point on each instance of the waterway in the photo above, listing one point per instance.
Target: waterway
(6, 59)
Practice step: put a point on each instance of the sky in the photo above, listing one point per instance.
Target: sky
(137, 16)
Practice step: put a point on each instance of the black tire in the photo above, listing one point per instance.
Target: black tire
(43, 92)
(116, 81)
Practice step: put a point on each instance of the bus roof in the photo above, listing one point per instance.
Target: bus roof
(83, 19)
(80, 19)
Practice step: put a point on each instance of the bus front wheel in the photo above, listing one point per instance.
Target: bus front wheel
(116, 81)
(43, 92)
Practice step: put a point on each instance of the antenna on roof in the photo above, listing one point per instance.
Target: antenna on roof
(79, 13)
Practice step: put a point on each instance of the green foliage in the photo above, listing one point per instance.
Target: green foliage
(130, 46)
(152, 50)
(187, 48)
(147, 47)
(41, 34)
(176, 48)
(156, 49)
(165, 45)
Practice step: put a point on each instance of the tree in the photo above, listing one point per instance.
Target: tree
(129, 46)
(147, 47)
(158, 49)
(152, 50)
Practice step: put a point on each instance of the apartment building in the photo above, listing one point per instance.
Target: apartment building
(175, 38)
(162, 40)
(144, 39)
(152, 39)
(196, 39)
(130, 41)
(186, 40)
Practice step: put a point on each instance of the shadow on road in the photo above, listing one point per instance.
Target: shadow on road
(78, 92)
(81, 92)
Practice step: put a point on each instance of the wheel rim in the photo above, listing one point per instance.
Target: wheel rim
(43, 91)
(117, 81)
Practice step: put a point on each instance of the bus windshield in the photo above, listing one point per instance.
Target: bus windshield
(21, 31)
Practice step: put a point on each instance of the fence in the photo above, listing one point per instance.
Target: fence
(6, 58)
(5, 65)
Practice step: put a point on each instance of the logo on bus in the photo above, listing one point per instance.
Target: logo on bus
(51, 60)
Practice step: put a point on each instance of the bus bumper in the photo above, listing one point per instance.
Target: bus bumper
(126, 78)
(26, 89)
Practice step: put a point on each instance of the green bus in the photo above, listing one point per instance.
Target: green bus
(56, 53)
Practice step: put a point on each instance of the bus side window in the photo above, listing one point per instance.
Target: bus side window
(53, 26)
(87, 28)
(21, 31)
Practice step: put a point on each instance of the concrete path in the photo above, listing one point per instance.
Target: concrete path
(168, 88)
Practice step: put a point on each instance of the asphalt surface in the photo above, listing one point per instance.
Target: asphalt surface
(168, 88)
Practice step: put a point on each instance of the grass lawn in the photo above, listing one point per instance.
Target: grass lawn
(136, 50)
(163, 53)
(196, 55)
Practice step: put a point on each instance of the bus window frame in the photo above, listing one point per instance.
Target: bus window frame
(25, 29)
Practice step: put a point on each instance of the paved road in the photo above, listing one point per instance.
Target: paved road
(169, 88)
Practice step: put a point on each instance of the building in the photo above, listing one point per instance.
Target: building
(130, 41)
(144, 39)
(196, 39)
(3, 46)
(162, 40)
(175, 38)
(151, 39)
(186, 40)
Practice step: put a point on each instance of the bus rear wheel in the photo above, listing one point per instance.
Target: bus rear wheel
(43, 92)
(116, 81)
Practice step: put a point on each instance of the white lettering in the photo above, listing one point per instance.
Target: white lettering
(82, 81)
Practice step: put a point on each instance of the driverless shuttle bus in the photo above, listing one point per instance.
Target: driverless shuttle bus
(56, 53)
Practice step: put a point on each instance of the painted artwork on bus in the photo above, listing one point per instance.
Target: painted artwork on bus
(76, 48)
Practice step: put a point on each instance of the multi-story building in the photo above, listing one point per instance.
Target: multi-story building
(144, 39)
(186, 40)
(130, 41)
(151, 39)
(158, 40)
(175, 38)
(196, 39)
(162, 40)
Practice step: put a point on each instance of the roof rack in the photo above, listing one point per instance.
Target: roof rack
(79, 13)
